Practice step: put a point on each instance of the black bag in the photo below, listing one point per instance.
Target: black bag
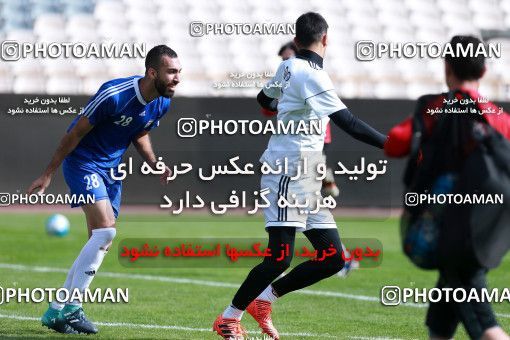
(463, 155)
(484, 229)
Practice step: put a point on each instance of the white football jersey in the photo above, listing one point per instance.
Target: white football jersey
(305, 93)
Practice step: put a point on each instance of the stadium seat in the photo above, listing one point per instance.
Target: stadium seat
(91, 84)
(168, 22)
(416, 90)
(413, 70)
(347, 89)
(72, 7)
(385, 90)
(49, 22)
(125, 68)
(89, 67)
(346, 69)
(6, 84)
(29, 84)
(63, 67)
(63, 85)
(15, 17)
(5, 70)
(27, 67)
(84, 36)
(21, 35)
(45, 7)
(80, 21)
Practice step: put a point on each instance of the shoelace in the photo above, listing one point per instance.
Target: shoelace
(79, 315)
(234, 327)
(263, 310)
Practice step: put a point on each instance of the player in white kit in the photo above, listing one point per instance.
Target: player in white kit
(302, 91)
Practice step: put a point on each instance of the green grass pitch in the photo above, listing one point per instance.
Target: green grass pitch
(181, 307)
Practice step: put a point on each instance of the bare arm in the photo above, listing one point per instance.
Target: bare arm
(67, 144)
(143, 145)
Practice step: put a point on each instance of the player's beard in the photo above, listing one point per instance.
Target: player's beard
(162, 88)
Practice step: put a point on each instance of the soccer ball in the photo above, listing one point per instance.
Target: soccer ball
(57, 225)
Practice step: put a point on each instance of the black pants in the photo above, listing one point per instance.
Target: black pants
(303, 275)
(443, 317)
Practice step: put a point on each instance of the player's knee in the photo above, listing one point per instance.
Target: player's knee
(277, 267)
(102, 222)
(105, 236)
(100, 214)
(109, 223)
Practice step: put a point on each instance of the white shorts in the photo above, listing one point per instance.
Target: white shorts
(302, 188)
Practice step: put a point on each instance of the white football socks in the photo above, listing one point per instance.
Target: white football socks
(233, 313)
(89, 260)
(268, 295)
(67, 285)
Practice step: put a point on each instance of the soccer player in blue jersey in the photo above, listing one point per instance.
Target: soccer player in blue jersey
(122, 112)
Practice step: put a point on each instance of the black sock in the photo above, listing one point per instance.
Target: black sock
(263, 274)
(310, 272)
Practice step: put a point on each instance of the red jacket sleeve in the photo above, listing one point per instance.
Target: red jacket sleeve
(398, 143)
(268, 113)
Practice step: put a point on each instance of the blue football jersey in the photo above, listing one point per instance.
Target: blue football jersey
(118, 113)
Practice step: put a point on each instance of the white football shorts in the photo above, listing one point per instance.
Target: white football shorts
(300, 189)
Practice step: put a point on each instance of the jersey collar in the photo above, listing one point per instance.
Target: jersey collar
(310, 56)
(137, 90)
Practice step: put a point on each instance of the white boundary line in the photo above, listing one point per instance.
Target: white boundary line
(42, 269)
(371, 338)
(150, 326)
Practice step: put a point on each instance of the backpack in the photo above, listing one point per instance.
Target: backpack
(463, 154)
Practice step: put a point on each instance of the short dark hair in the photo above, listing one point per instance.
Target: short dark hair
(466, 67)
(309, 28)
(290, 45)
(153, 57)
